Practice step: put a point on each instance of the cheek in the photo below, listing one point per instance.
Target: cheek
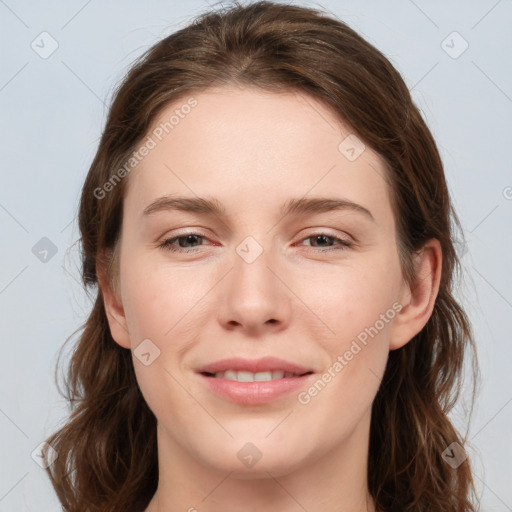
(347, 300)
(357, 358)
(356, 312)
(161, 305)
(159, 298)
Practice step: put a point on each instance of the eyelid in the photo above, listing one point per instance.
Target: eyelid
(181, 234)
(340, 242)
(307, 232)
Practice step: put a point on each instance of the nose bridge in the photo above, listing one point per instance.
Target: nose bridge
(253, 294)
(251, 266)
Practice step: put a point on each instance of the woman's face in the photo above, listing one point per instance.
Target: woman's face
(318, 287)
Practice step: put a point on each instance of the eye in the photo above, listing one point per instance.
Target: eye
(179, 243)
(183, 239)
(324, 238)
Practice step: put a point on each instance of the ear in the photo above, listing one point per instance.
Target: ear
(419, 299)
(112, 303)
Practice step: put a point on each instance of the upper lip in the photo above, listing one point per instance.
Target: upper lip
(264, 364)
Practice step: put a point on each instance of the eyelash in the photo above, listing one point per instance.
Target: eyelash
(168, 244)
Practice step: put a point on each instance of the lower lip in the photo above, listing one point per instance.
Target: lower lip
(251, 393)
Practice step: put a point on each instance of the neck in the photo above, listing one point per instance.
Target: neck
(335, 481)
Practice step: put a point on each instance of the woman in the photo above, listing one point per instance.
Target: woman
(269, 229)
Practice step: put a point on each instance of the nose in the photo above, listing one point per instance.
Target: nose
(253, 297)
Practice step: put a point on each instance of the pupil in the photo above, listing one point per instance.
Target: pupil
(322, 237)
(189, 238)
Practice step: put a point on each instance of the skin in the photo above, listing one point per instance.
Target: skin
(253, 151)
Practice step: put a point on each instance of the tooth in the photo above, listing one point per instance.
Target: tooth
(230, 375)
(263, 376)
(245, 377)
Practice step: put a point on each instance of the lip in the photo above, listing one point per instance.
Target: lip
(263, 364)
(258, 392)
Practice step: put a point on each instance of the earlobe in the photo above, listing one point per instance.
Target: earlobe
(114, 310)
(418, 300)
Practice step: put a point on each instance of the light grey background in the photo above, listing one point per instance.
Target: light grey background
(52, 113)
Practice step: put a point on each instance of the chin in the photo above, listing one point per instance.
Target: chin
(250, 460)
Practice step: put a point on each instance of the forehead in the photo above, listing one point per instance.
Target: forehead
(254, 150)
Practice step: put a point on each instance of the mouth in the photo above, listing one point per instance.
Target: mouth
(254, 381)
(245, 376)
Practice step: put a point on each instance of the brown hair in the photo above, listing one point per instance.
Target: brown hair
(107, 453)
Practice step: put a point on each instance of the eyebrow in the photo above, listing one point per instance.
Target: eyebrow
(212, 206)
